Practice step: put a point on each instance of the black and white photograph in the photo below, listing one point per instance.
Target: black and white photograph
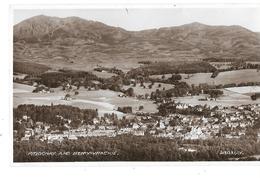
(136, 84)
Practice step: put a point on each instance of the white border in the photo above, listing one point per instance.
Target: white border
(199, 168)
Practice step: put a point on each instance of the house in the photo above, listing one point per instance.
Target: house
(178, 135)
(101, 127)
(185, 119)
(25, 117)
(97, 133)
(67, 97)
(72, 137)
(164, 134)
(258, 137)
(27, 135)
(108, 121)
(241, 133)
(204, 120)
(54, 137)
(162, 126)
(240, 107)
(138, 133)
(96, 121)
(38, 130)
(233, 124)
(143, 127)
(124, 131)
(181, 106)
(152, 132)
(229, 136)
(178, 128)
(169, 128)
(90, 127)
(195, 133)
(243, 125)
(46, 127)
(25, 138)
(111, 127)
(39, 124)
(135, 126)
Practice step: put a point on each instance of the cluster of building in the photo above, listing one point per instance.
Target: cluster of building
(227, 122)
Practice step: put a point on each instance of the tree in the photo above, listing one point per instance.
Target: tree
(255, 96)
(214, 93)
(163, 77)
(130, 92)
(141, 108)
(125, 109)
(67, 96)
(175, 77)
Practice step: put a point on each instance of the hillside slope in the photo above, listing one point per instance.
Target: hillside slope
(80, 43)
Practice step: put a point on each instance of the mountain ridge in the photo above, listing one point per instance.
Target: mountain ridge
(72, 40)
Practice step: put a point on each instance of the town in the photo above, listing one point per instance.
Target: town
(227, 122)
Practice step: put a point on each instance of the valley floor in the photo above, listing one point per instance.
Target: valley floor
(105, 101)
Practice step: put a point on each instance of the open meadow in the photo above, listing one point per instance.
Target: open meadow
(228, 77)
(105, 101)
(234, 96)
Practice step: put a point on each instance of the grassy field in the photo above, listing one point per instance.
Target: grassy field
(237, 76)
(187, 67)
(21, 88)
(231, 97)
(105, 101)
(29, 68)
(245, 90)
(19, 76)
(104, 74)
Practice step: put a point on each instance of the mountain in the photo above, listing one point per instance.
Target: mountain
(78, 42)
(44, 28)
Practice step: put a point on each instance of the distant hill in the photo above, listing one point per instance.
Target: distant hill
(78, 42)
(43, 28)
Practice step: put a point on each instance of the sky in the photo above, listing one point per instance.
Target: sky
(140, 18)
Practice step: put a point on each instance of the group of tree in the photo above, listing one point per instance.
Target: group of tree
(48, 114)
(56, 79)
(255, 96)
(125, 109)
(29, 68)
(113, 70)
(214, 93)
(167, 108)
(161, 68)
(179, 90)
(137, 149)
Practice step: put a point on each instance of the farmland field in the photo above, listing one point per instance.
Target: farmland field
(177, 66)
(19, 76)
(104, 74)
(237, 76)
(245, 90)
(231, 97)
(21, 88)
(30, 68)
(105, 101)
